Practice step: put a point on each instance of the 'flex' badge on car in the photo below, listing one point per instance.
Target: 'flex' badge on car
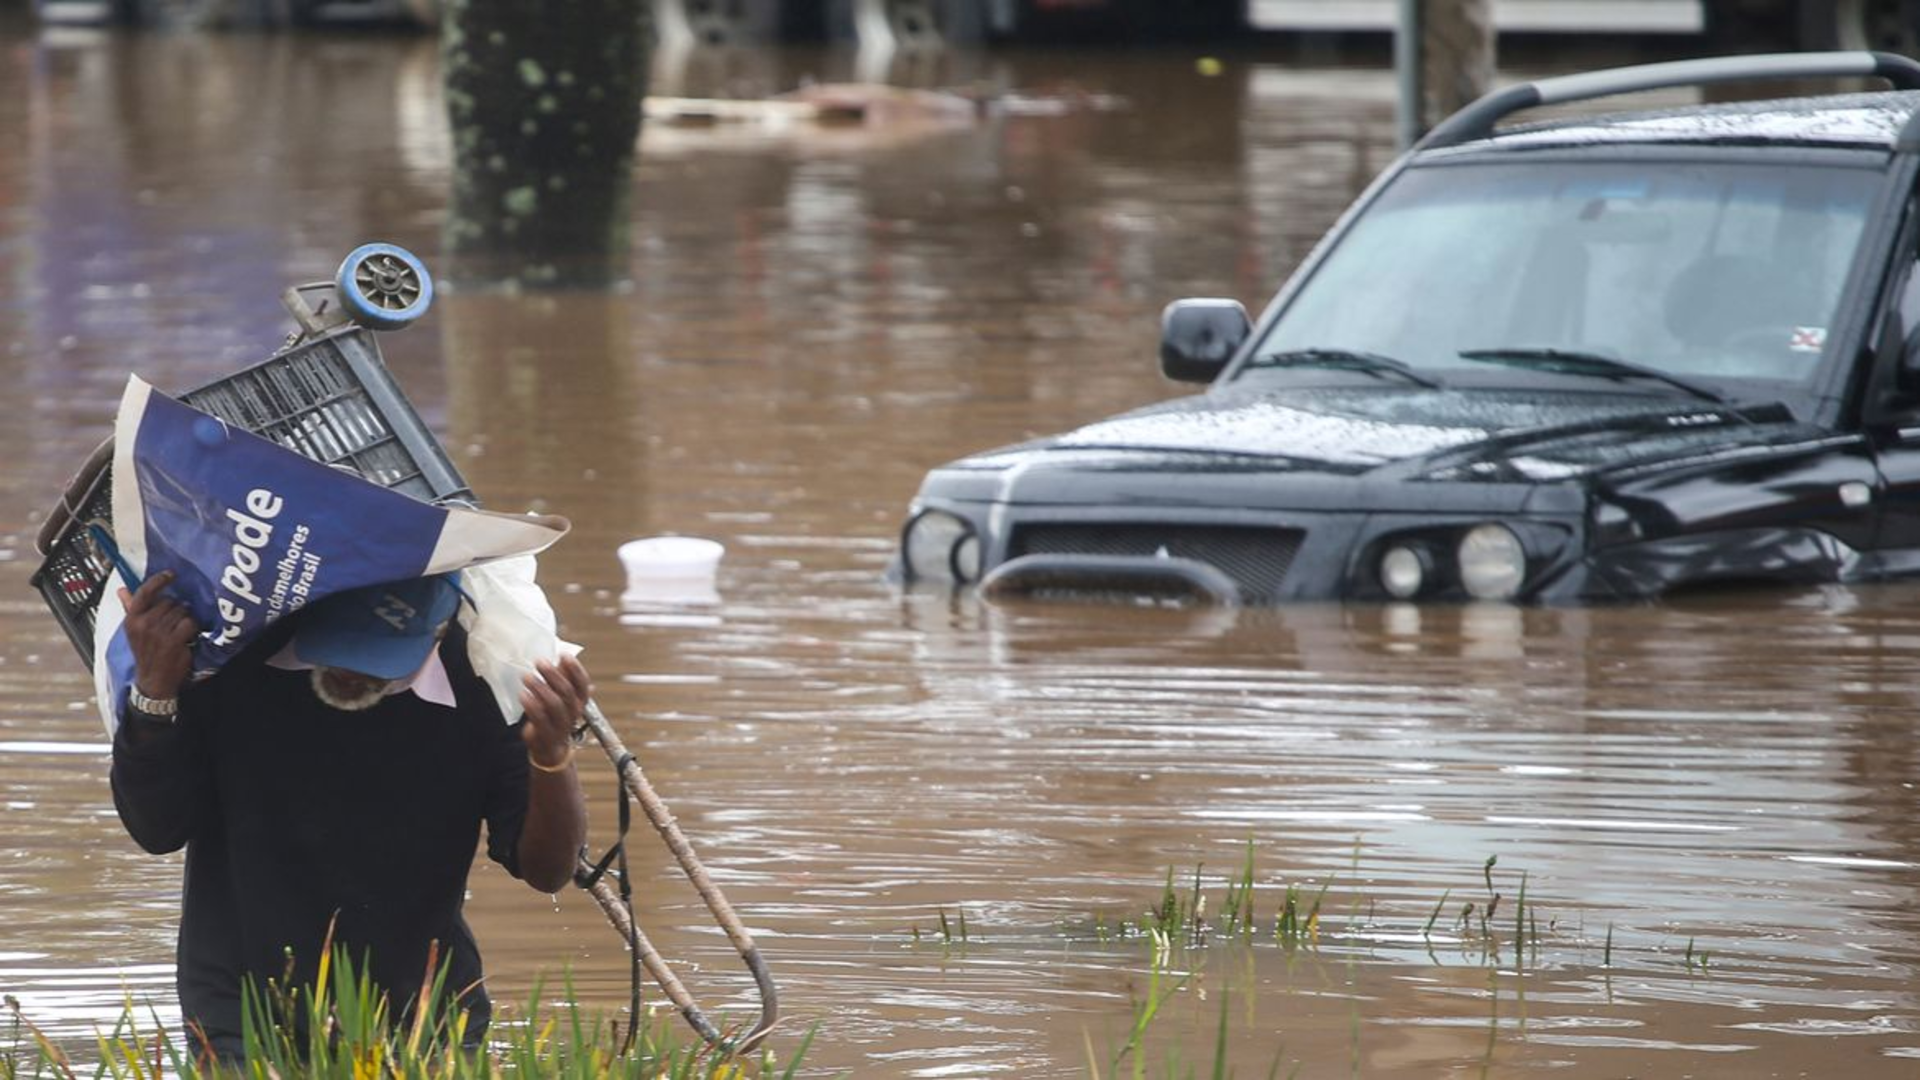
(1807, 338)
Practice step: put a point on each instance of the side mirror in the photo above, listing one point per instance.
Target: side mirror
(1198, 337)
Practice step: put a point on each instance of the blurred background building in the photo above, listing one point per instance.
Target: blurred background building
(1724, 24)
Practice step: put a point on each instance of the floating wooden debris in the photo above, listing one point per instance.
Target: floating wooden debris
(866, 104)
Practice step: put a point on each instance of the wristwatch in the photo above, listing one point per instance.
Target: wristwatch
(157, 708)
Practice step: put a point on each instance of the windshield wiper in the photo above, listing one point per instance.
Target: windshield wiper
(1350, 359)
(1572, 362)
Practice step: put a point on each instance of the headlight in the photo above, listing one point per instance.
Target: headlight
(937, 546)
(1403, 572)
(1493, 564)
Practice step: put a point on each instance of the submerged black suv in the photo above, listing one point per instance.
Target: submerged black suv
(1605, 357)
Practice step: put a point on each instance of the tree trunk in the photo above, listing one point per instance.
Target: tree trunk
(1457, 56)
(544, 102)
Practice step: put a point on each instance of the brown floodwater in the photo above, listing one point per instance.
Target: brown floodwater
(1710, 801)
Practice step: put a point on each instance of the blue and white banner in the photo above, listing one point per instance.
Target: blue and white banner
(254, 532)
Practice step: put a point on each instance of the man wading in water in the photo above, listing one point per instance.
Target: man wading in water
(336, 775)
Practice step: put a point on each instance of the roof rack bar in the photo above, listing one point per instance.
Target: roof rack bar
(1476, 121)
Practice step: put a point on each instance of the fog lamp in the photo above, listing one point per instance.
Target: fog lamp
(1493, 564)
(938, 546)
(1403, 572)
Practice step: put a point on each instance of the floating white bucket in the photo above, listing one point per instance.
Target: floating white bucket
(671, 570)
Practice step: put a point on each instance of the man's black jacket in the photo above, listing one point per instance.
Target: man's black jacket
(297, 817)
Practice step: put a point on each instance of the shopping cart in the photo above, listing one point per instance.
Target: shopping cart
(327, 395)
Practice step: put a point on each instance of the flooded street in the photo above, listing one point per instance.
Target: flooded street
(1702, 812)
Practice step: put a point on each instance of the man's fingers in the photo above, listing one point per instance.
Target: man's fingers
(156, 618)
(183, 625)
(576, 674)
(542, 703)
(576, 677)
(555, 696)
(166, 617)
(571, 691)
(150, 592)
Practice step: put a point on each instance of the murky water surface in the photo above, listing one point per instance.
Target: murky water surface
(1710, 802)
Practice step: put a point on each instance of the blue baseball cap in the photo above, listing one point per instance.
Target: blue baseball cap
(385, 631)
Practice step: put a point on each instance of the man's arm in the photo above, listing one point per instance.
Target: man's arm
(556, 823)
(160, 781)
(159, 776)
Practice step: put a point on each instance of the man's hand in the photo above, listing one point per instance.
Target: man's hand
(556, 701)
(160, 631)
(556, 824)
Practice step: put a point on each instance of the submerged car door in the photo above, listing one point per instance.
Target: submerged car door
(1890, 410)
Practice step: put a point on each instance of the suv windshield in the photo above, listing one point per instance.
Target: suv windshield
(1716, 271)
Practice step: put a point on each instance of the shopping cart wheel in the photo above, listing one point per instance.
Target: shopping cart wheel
(384, 287)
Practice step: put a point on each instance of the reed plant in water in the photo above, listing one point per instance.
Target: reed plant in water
(341, 1027)
(1179, 916)
(1295, 926)
(1147, 1007)
(1238, 910)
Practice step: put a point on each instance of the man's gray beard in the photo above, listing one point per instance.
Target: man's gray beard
(367, 699)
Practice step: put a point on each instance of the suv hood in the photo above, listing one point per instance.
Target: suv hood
(1499, 435)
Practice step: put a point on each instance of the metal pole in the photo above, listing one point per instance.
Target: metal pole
(1411, 76)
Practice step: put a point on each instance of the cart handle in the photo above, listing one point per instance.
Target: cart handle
(623, 920)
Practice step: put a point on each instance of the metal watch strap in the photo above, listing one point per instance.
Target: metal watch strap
(158, 708)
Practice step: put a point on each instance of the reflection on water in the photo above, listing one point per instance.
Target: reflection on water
(1710, 800)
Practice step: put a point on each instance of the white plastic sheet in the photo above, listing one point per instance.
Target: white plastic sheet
(509, 626)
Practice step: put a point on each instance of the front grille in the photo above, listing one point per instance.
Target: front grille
(1255, 558)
